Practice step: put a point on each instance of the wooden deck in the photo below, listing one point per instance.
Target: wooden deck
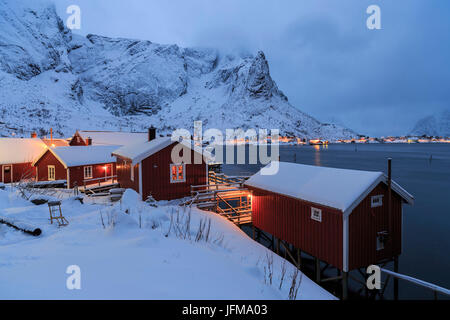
(225, 196)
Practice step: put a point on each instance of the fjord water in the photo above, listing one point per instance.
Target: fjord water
(424, 171)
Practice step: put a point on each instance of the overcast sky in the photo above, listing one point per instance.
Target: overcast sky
(320, 52)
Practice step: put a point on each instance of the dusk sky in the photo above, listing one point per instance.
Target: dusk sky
(320, 52)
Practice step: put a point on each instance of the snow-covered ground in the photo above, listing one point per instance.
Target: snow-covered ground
(131, 250)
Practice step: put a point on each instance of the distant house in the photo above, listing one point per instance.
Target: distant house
(86, 138)
(148, 169)
(339, 216)
(17, 156)
(78, 165)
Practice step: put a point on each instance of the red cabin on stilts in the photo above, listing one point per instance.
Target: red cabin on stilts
(338, 216)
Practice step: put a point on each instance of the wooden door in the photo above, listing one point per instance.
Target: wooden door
(7, 173)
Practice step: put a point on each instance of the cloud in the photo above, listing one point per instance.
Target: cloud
(320, 52)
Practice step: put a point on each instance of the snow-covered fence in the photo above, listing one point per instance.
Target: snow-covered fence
(21, 226)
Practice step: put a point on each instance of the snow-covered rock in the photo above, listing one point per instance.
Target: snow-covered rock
(434, 125)
(50, 77)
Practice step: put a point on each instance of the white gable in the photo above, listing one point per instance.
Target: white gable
(342, 189)
(18, 150)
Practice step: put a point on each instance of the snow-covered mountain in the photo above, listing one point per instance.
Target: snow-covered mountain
(50, 77)
(434, 125)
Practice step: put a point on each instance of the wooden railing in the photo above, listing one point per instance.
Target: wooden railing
(104, 179)
(436, 289)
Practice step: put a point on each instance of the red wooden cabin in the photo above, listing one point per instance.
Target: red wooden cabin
(17, 156)
(78, 165)
(148, 169)
(339, 216)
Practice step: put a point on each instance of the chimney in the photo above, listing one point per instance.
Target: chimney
(151, 133)
(34, 135)
(89, 141)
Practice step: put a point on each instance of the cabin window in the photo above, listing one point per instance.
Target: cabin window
(316, 214)
(381, 240)
(88, 172)
(177, 173)
(7, 169)
(51, 173)
(376, 201)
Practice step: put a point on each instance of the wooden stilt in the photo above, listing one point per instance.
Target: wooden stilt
(344, 285)
(317, 269)
(299, 258)
(395, 278)
(253, 232)
(278, 246)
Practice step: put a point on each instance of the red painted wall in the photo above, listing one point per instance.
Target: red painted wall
(124, 176)
(98, 171)
(156, 176)
(76, 174)
(42, 167)
(19, 171)
(364, 224)
(289, 219)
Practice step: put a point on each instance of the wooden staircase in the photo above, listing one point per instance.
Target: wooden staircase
(225, 196)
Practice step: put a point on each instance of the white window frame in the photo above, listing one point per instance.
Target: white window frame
(131, 172)
(376, 201)
(50, 176)
(184, 173)
(316, 214)
(91, 172)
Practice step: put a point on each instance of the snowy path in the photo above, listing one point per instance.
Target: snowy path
(129, 262)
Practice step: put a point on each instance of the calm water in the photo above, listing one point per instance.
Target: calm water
(424, 171)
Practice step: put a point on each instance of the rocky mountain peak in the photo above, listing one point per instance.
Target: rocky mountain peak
(50, 77)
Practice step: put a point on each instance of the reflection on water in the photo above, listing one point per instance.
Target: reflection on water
(423, 170)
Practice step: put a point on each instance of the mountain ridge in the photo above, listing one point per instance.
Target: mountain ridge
(51, 77)
(433, 125)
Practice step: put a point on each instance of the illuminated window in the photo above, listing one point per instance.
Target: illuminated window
(177, 173)
(51, 173)
(88, 172)
(316, 214)
(376, 201)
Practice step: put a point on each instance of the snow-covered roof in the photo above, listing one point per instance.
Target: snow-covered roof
(56, 142)
(83, 155)
(342, 189)
(114, 138)
(138, 152)
(19, 150)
